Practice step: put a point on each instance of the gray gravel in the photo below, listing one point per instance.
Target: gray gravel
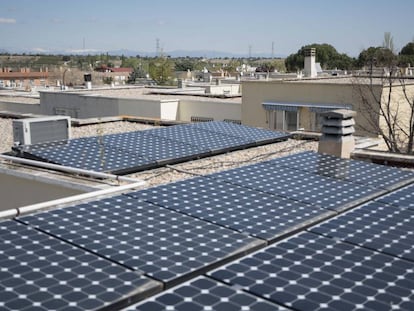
(179, 171)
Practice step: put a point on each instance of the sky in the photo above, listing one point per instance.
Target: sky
(243, 27)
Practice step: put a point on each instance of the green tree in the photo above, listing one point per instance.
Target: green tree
(408, 49)
(326, 55)
(377, 56)
(406, 56)
(184, 64)
(161, 70)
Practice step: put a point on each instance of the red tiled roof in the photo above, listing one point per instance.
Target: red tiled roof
(24, 75)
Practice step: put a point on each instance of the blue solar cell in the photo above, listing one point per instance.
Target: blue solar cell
(375, 225)
(166, 245)
(258, 214)
(38, 272)
(312, 272)
(135, 151)
(205, 294)
(204, 140)
(89, 154)
(252, 134)
(403, 197)
(370, 174)
(152, 147)
(297, 185)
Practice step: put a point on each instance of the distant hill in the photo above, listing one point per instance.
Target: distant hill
(129, 53)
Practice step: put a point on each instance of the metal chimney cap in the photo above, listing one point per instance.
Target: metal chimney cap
(339, 114)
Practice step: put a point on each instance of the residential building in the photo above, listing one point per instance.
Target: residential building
(296, 104)
(23, 78)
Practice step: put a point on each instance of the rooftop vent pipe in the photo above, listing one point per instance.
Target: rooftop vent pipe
(337, 133)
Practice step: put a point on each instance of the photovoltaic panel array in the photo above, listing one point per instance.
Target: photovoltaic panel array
(249, 211)
(39, 272)
(303, 186)
(374, 175)
(252, 134)
(272, 235)
(375, 225)
(135, 151)
(87, 153)
(312, 272)
(165, 245)
(403, 197)
(205, 294)
(207, 141)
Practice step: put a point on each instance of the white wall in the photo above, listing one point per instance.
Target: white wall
(210, 109)
(23, 108)
(90, 106)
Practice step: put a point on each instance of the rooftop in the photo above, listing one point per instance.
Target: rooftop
(137, 92)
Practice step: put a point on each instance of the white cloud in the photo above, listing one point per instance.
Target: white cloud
(7, 20)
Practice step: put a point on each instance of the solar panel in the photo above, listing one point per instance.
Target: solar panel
(166, 245)
(312, 272)
(253, 134)
(207, 141)
(297, 185)
(403, 197)
(89, 154)
(205, 294)
(378, 176)
(375, 225)
(152, 147)
(136, 151)
(38, 272)
(258, 214)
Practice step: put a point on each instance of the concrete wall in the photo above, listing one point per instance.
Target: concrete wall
(232, 89)
(210, 109)
(78, 106)
(90, 106)
(400, 108)
(255, 93)
(17, 192)
(23, 108)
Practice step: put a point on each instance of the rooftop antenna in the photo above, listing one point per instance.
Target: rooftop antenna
(273, 49)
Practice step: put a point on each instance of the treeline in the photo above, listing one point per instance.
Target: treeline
(330, 58)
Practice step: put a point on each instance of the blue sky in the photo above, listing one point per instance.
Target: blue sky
(225, 25)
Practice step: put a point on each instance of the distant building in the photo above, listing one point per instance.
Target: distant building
(296, 104)
(116, 75)
(24, 78)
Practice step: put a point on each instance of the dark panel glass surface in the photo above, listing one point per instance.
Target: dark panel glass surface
(205, 294)
(403, 197)
(38, 272)
(312, 272)
(164, 244)
(253, 134)
(297, 185)
(375, 225)
(375, 175)
(205, 140)
(255, 213)
(89, 154)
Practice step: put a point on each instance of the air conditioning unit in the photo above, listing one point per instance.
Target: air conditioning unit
(38, 130)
